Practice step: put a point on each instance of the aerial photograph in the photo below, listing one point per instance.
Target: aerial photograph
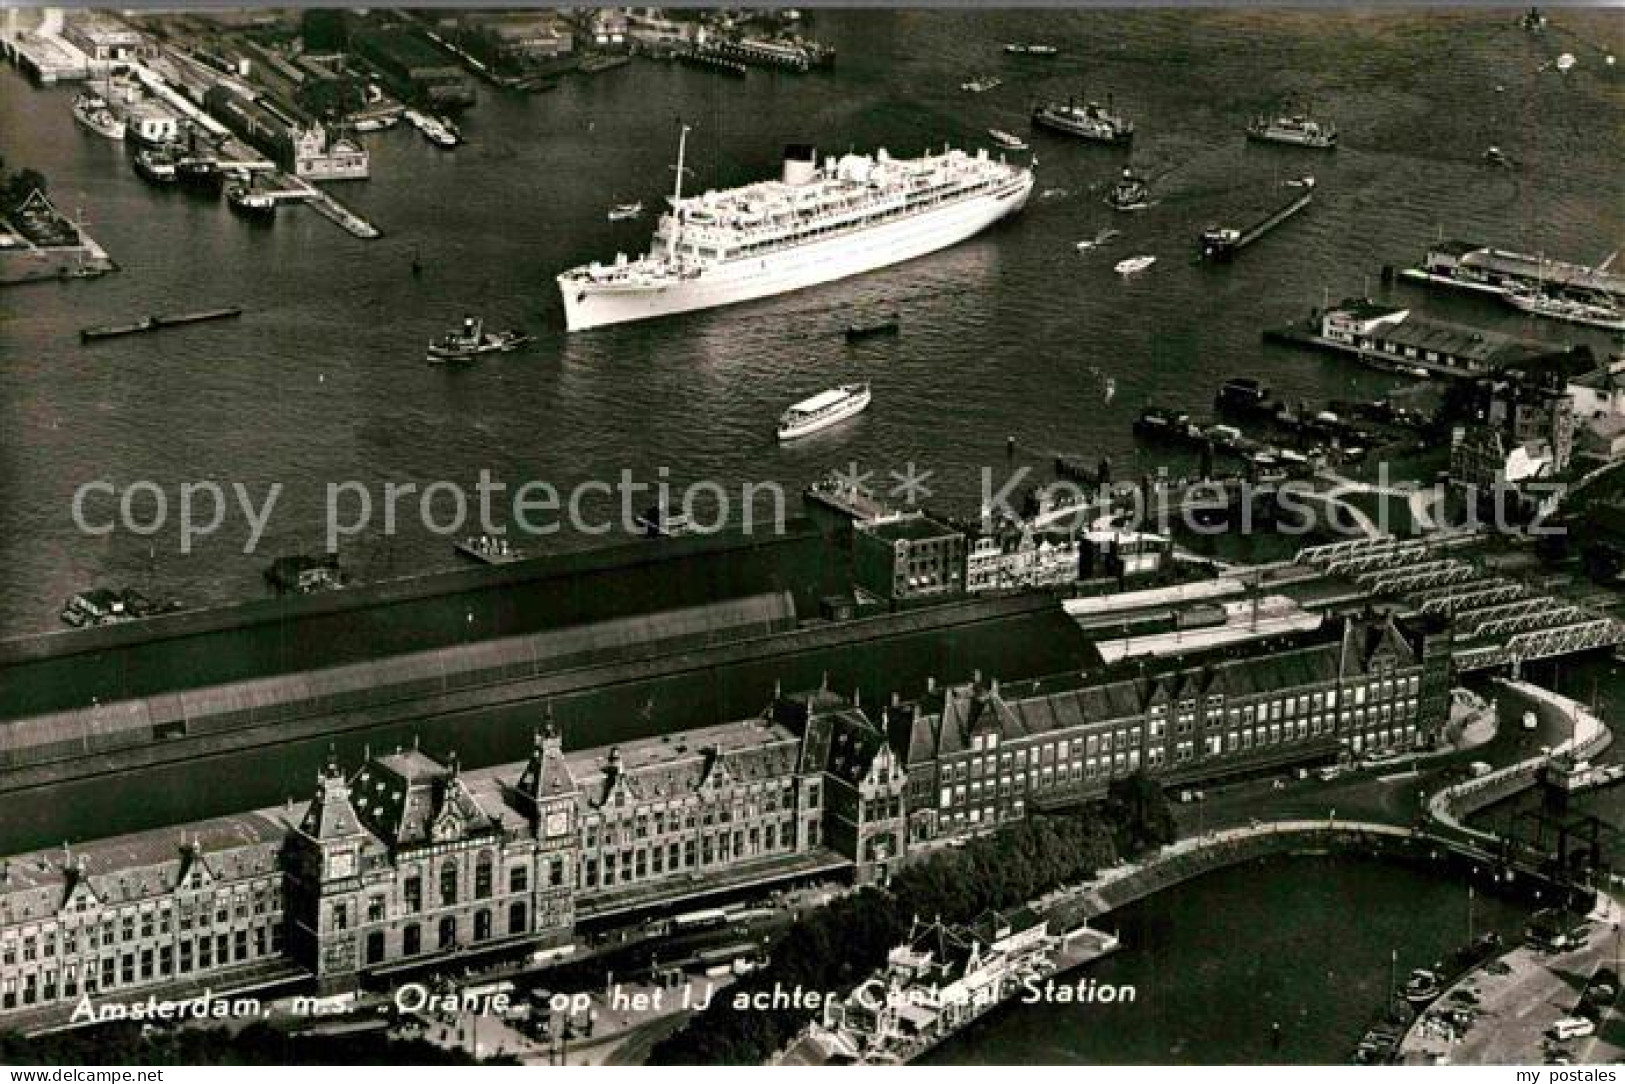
(843, 535)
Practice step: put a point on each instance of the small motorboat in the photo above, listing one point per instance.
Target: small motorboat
(880, 325)
(981, 84)
(1530, 722)
(1134, 265)
(1006, 140)
(1422, 987)
(623, 211)
(471, 341)
(1102, 238)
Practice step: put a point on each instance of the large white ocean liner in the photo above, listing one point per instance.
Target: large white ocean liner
(814, 225)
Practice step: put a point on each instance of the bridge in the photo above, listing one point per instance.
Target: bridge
(1499, 621)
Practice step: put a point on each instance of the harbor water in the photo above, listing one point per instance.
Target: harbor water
(1012, 334)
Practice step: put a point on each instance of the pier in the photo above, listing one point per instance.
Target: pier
(1222, 243)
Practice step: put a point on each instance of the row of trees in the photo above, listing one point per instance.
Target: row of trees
(834, 948)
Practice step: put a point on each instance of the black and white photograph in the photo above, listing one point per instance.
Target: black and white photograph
(955, 535)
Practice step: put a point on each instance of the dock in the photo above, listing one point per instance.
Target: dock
(287, 189)
(1222, 244)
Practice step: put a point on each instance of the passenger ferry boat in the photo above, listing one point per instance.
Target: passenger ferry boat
(623, 211)
(823, 410)
(442, 133)
(94, 112)
(471, 340)
(1594, 313)
(1298, 130)
(1087, 121)
(812, 226)
(1491, 270)
(981, 84)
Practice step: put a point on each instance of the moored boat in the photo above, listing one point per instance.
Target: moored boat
(155, 165)
(1593, 313)
(244, 200)
(94, 112)
(823, 410)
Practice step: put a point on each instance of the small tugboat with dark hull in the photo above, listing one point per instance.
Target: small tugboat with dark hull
(888, 324)
(253, 205)
(1129, 193)
(472, 341)
(93, 112)
(155, 165)
(1088, 121)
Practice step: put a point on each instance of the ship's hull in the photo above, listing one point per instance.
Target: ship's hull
(589, 305)
(108, 128)
(1293, 139)
(1093, 134)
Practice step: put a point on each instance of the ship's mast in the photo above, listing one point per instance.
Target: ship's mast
(677, 194)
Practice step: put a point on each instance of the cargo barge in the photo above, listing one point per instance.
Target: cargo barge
(155, 323)
(1221, 243)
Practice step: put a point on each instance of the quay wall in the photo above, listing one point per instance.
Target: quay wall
(656, 689)
(66, 670)
(1192, 858)
(1453, 806)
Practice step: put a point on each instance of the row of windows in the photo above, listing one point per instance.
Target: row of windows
(624, 867)
(140, 965)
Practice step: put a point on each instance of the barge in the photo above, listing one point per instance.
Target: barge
(155, 323)
(1222, 243)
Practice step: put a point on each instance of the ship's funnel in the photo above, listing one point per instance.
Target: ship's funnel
(800, 164)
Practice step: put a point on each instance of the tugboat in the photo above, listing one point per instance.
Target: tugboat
(489, 550)
(252, 205)
(155, 165)
(1130, 193)
(94, 112)
(470, 341)
(623, 211)
(1088, 121)
(1299, 130)
(882, 325)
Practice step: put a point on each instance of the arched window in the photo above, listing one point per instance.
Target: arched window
(375, 947)
(448, 932)
(482, 877)
(482, 925)
(412, 940)
(448, 884)
(517, 916)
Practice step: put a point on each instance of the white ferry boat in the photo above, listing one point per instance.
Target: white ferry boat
(440, 132)
(812, 226)
(1134, 265)
(823, 410)
(1598, 313)
(621, 212)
